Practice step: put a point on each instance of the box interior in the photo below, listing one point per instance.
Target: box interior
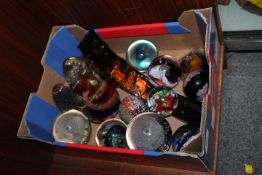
(176, 45)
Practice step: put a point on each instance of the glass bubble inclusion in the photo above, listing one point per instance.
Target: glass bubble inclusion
(140, 54)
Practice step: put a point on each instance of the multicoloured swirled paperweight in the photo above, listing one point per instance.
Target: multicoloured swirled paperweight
(166, 101)
(162, 100)
(130, 107)
(182, 135)
(164, 71)
(196, 85)
(149, 131)
(112, 133)
(71, 127)
(74, 68)
(140, 54)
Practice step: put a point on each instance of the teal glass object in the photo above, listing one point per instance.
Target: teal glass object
(140, 54)
(112, 133)
(116, 137)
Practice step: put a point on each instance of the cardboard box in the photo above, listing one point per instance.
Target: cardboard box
(195, 30)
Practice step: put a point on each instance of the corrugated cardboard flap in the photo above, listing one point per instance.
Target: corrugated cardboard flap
(41, 111)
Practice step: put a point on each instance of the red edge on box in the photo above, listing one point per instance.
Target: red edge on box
(131, 31)
(105, 149)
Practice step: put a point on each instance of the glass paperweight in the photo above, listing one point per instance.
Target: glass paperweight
(74, 68)
(162, 100)
(112, 133)
(130, 107)
(165, 101)
(149, 131)
(71, 127)
(101, 101)
(65, 98)
(164, 71)
(140, 54)
(196, 85)
(182, 135)
(192, 62)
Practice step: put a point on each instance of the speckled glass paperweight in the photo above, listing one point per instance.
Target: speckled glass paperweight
(74, 67)
(130, 107)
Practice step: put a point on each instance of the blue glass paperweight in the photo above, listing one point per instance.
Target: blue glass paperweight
(182, 135)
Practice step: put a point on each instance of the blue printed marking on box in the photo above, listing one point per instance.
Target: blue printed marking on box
(175, 28)
(62, 46)
(39, 118)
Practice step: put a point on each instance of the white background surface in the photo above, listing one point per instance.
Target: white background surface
(236, 18)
